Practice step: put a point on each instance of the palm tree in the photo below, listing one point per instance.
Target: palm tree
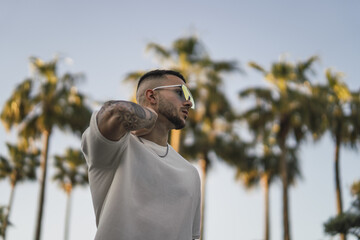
(207, 133)
(253, 168)
(268, 164)
(71, 171)
(340, 110)
(268, 170)
(285, 109)
(213, 114)
(265, 153)
(55, 103)
(20, 166)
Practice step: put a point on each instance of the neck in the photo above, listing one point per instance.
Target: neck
(158, 135)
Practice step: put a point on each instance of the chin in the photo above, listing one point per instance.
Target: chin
(179, 125)
(177, 121)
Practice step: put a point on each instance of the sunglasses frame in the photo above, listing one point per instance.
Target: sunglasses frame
(185, 90)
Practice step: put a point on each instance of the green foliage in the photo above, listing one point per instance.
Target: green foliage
(44, 101)
(347, 222)
(41, 103)
(71, 169)
(281, 113)
(18, 106)
(339, 113)
(344, 223)
(288, 108)
(5, 167)
(21, 164)
(340, 109)
(24, 163)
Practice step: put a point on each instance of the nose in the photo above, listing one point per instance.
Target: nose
(188, 103)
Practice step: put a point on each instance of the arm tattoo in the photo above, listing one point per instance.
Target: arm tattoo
(130, 115)
(139, 111)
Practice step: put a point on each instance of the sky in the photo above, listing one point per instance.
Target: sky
(106, 39)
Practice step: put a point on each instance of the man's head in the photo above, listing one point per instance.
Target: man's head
(154, 79)
(157, 74)
(162, 90)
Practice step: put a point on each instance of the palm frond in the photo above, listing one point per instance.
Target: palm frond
(257, 67)
(159, 50)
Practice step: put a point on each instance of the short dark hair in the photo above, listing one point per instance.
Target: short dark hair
(158, 73)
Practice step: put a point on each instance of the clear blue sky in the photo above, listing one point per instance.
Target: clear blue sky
(106, 39)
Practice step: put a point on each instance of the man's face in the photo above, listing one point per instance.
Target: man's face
(172, 104)
(169, 111)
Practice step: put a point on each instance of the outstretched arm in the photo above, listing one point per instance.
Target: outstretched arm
(116, 118)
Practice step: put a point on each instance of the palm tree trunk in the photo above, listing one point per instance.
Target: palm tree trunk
(203, 166)
(44, 158)
(284, 177)
(68, 211)
(267, 209)
(337, 181)
(175, 139)
(7, 215)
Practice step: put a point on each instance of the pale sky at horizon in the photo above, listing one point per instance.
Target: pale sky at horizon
(107, 39)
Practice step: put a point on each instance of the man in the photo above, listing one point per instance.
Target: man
(142, 189)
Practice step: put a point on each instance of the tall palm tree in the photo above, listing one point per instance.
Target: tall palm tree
(265, 151)
(341, 111)
(265, 167)
(71, 171)
(253, 168)
(20, 166)
(285, 109)
(213, 111)
(54, 103)
(267, 170)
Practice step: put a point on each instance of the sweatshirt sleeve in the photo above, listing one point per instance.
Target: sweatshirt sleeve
(98, 150)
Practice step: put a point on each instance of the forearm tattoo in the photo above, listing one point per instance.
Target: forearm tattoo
(130, 115)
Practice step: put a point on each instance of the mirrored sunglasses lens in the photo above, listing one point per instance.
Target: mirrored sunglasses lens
(188, 95)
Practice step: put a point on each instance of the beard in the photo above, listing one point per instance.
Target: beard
(169, 111)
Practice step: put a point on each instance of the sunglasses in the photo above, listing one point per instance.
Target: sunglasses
(185, 93)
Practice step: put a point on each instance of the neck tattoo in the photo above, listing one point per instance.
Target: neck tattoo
(162, 156)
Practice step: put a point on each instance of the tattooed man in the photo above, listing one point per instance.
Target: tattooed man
(141, 188)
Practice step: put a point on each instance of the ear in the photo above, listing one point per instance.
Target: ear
(151, 97)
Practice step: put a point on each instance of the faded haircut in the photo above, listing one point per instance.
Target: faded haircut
(158, 73)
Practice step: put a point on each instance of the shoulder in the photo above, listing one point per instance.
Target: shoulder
(185, 163)
(98, 148)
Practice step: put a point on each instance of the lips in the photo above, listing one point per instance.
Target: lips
(186, 113)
